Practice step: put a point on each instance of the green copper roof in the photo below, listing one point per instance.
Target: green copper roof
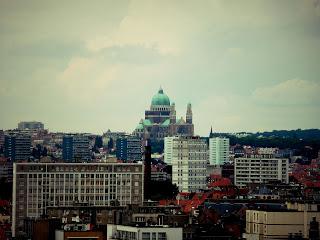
(147, 122)
(166, 122)
(160, 99)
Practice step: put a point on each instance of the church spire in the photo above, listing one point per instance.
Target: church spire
(189, 114)
(211, 133)
(173, 113)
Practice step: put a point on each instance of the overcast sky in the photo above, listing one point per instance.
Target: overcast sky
(93, 65)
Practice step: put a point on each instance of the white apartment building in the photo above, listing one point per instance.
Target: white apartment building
(260, 169)
(189, 163)
(122, 232)
(219, 150)
(39, 185)
(168, 148)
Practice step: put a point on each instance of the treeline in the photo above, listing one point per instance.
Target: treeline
(299, 133)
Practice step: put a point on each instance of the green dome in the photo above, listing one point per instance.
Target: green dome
(160, 99)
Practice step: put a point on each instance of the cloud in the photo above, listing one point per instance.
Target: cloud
(86, 78)
(290, 92)
(138, 31)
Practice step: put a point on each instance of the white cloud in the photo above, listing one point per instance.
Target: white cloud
(86, 78)
(137, 29)
(290, 92)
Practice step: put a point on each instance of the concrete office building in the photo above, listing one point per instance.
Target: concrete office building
(168, 148)
(17, 147)
(75, 148)
(189, 163)
(39, 185)
(260, 169)
(129, 148)
(30, 125)
(219, 150)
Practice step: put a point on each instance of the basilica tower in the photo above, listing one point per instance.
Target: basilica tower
(189, 114)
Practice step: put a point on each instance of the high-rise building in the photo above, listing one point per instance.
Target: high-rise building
(260, 169)
(189, 163)
(75, 148)
(160, 120)
(129, 148)
(17, 147)
(218, 150)
(30, 125)
(168, 149)
(37, 186)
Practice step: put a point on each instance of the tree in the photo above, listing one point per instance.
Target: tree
(163, 190)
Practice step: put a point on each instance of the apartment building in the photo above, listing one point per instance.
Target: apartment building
(189, 163)
(260, 169)
(75, 148)
(37, 186)
(219, 150)
(17, 146)
(129, 148)
(278, 224)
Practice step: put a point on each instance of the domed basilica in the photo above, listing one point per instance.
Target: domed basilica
(160, 121)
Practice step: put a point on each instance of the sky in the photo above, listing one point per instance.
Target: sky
(90, 66)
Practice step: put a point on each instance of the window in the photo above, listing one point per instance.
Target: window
(145, 236)
(154, 236)
(162, 236)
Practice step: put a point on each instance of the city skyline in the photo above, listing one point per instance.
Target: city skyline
(249, 66)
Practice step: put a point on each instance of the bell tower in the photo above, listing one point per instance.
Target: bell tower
(189, 114)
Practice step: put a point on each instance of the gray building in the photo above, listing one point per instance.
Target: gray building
(260, 169)
(75, 148)
(189, 163)
(129, 148)
(17, 147)
(37, 186)
(30, 125)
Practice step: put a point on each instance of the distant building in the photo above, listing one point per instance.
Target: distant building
(37, 186)
(168, 149)
(189, 163)
(122, 232)
(75, 148)
(107, 136)
(219, 150)
(17, 147)
(267, 151)
(6, 169)
(160, 121)
(274, 224)
(1, 139)
(30, 125)
(129, 148)
(260, 169)
(74, 233)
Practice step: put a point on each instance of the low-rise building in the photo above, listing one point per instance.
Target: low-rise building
(121, 232)
(277, 224)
